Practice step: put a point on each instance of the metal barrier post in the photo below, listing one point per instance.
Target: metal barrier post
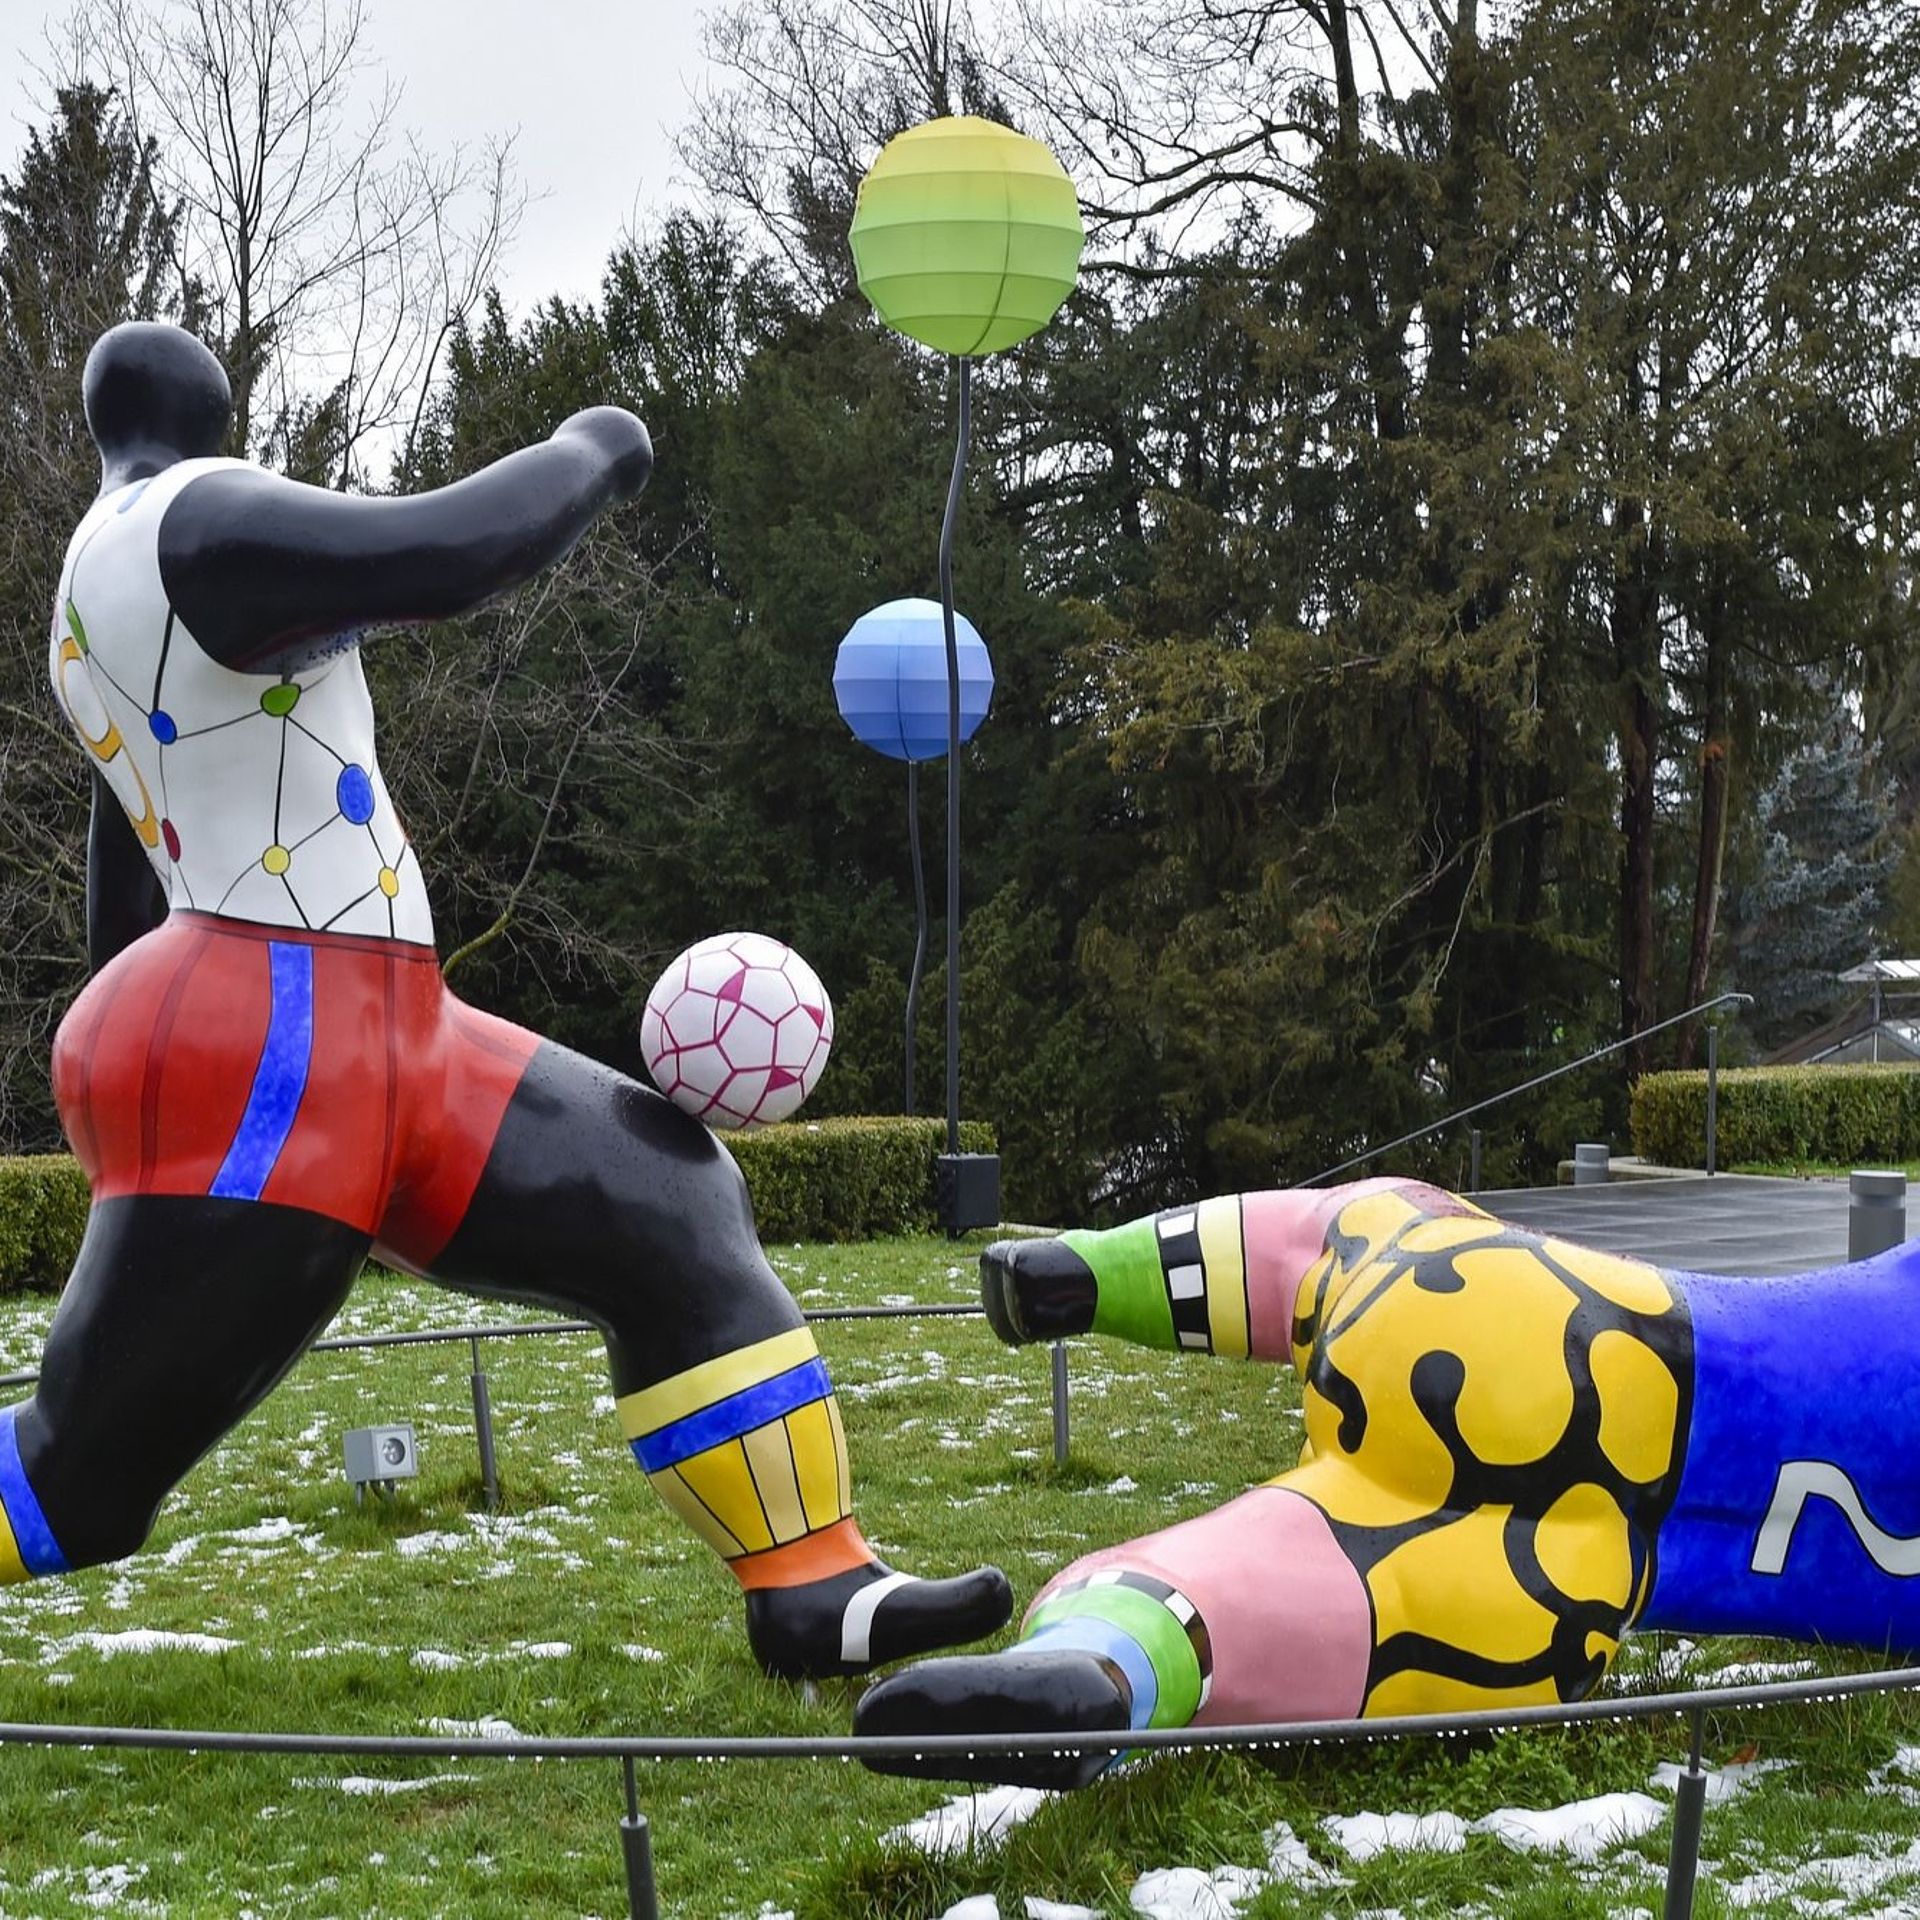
(1683, 1859)
(636, 1843)
(1474, 1137)
(483, 1431)
(1876, 1211)
(1713, 1096)
(1059, 1403)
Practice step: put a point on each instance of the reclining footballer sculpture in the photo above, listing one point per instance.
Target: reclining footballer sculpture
(266, 1078)
(1516, 1450)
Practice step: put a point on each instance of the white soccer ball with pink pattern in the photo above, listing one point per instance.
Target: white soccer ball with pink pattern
(737, 1030)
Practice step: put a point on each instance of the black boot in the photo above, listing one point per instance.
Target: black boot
(1036, 1290)
(841, 1625)
(1019, 1691)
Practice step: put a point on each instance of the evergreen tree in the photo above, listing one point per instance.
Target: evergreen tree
(85, 242)
(1814, 902)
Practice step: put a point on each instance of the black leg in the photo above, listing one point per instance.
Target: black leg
(180, 1315)
(601, 1198)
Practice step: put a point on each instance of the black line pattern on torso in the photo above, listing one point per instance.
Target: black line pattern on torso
(1342, 1352)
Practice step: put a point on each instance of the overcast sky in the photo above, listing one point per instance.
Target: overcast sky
(595, 89)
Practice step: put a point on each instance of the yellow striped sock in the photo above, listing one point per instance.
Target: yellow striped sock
(12, 1568)
(747, 1447)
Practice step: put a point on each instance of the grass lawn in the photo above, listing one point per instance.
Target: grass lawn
(1820, 1169)
(583, 1609)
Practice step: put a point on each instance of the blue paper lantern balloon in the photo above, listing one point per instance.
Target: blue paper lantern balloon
(890, 679)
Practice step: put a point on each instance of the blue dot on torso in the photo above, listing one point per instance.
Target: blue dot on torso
(161, 725)
(355, 795)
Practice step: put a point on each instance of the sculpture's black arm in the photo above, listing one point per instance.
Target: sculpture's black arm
(266, 573)
(124, 896)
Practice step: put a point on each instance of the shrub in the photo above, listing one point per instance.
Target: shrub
(1787, 1115)
(43, 1213)
(846, 1179)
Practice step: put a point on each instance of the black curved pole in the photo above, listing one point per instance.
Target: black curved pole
(965, 368)
(919, 918)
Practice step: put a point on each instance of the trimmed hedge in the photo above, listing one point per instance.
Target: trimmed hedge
(1790, 1115)
(847, 1179)
(43, 1213)
(810, 1179)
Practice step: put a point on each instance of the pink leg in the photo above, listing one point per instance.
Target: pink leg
(1287, 1620)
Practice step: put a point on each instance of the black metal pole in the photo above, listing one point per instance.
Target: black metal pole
(919, 917)
(636, 1843)
(1713, 1098)
(1059, 1403)
(1683, 1859)
(1473, 1175)
(947, 524)
(483, 1431)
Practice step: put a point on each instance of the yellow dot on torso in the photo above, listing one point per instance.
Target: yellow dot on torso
(276, 859)
(1639, 1405)
(389, 882)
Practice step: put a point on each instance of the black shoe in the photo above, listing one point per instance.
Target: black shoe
(1036, 1290)
(838, 1626)
(1018, 1691)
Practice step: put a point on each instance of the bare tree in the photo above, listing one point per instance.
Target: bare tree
(84, 242)
(330, 255)
(1180, 118)
(228, 166)
(1181, 121)
(811, 90)
(513, 735)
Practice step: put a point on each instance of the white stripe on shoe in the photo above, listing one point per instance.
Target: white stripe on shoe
(856, 1624)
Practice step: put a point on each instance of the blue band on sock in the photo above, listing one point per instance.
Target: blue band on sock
(39, 1552)
(1086, 1633)
(738, 1413)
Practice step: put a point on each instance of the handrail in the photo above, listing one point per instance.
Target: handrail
(515, 1329)
(1690, 1789)
(1527, 1086)
(1627, 1706)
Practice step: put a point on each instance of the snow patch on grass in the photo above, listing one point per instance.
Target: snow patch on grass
(1185, 1893)
(972, 1821)
(366, 1786)
(1724, 1782)
(1756, 1673)
(1854, 1876)
(1583, 1828)
(1362, 1835)
(137, 1640)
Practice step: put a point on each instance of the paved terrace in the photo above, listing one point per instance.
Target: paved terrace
(1733, 1223)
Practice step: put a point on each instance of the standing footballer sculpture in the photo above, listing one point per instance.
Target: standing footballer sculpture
(266, 1079)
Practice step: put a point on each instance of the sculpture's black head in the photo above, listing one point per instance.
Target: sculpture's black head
(154, 395)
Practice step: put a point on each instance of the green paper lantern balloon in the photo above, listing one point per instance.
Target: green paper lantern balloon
(966, 235)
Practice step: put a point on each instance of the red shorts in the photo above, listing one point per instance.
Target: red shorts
(327, 1071)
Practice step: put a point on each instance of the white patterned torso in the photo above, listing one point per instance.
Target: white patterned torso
(255, 795)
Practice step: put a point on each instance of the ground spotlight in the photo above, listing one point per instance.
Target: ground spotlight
(378, 1456)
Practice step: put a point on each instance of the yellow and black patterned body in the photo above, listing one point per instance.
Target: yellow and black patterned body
(1494, 1430)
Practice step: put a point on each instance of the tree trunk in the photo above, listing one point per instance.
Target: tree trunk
(1715, 748)
(1636, 651)
(1380, 344)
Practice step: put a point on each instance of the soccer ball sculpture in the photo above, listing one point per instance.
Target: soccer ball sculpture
(737, 1030)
